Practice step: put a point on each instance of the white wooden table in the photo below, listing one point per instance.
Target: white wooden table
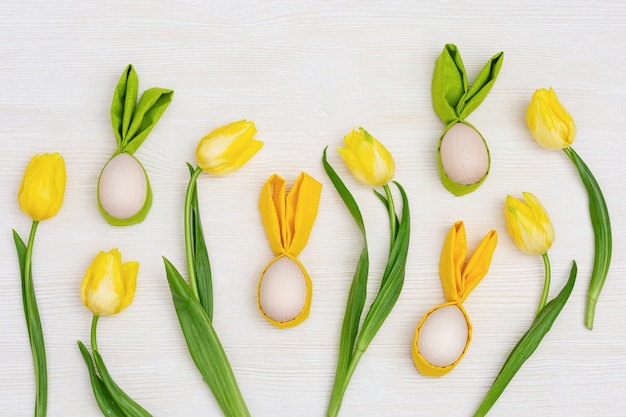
(307, 72)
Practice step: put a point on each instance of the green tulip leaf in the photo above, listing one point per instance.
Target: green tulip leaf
(123, 401)
(357, 294)
(104, 400)
(392, 281)
(200, 254)
(204, 346)
(527, 344)
(449, 83)
(603, 239)
(33, 321)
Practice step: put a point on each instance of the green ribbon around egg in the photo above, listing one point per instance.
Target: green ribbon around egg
(132, 123)
(454, 99)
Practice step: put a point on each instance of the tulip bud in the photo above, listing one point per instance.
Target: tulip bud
(227, 148)
(109, 285)
(368, 160)
(550, 124)
(529, 224)
(43, 186)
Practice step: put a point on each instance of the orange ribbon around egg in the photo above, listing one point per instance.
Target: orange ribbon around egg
(288, 220)
(458, 280)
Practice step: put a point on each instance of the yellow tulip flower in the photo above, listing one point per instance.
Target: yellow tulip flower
(109, 285)
(43, 186)
(529, 224)
(227, 148)
(368, 160)
(550, 124)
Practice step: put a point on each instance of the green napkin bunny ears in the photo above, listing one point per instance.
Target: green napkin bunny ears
(462, 152)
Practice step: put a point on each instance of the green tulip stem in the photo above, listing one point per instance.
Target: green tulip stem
(546, 283)
(35, 332)
(94, 325)
(393, 219)
(191, 269)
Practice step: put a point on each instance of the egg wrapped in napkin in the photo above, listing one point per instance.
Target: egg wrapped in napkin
(445, 332)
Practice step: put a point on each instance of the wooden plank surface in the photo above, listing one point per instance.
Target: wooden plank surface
(307, 73)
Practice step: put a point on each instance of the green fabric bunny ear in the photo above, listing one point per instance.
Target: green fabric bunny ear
(453, 98)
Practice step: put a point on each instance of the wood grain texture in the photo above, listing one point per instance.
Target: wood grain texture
(307, 72)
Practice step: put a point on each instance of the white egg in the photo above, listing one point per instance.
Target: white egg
(282, 293)
(443, 336)
(123, 186)
(464, 155)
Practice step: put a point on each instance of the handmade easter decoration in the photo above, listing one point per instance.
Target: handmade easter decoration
(285, 288)
(124, 192)
(445, 332)
(462, 152)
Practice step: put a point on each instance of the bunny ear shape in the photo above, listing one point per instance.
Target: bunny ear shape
(478, 265)
(449, 84)
(272, 207)
(481, 86)
(302, 204)
(452, 259)
(288, 220)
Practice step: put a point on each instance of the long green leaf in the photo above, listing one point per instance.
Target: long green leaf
(603, 240)
(392, 281)
(356, 296)
(124, 102)
(481, 86)
(151, 106)
(33, 324)
(204, 346)
(527, 344)
(127, 404)
(200, 255)
(103, 398)
(383, 199)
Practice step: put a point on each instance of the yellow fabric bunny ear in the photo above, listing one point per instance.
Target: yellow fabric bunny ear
(444, 334)
(285, 288)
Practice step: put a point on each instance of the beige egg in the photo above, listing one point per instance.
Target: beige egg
(123, 186)
(282, 293)
(464, 155)
(443, 336)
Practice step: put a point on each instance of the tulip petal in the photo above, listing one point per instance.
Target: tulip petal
(227, 148)
(109, 286)
(368, 159)
(42, 189)
(549, 123)
(129, 278)
(529, 224)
